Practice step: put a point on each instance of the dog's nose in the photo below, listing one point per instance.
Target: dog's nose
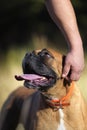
(28, 54)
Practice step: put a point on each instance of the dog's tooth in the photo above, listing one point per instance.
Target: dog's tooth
(43, 78)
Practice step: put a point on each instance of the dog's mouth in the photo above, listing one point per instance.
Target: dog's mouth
(36, 81)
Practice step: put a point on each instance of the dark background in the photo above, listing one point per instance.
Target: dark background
(21, 19)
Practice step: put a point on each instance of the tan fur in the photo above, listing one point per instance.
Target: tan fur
(35, 114)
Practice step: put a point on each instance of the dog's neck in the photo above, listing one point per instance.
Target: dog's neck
(60, 89)
(59, 95)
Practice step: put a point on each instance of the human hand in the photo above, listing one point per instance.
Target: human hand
(73, 65)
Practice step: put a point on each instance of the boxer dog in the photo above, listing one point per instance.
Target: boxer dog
(47, 101)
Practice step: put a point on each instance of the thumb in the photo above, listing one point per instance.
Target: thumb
(66, 70)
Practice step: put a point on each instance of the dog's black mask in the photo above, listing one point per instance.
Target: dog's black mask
(36, 64)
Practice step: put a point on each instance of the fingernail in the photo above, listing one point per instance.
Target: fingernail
(63, 75)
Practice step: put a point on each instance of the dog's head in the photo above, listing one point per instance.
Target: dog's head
(42, 68)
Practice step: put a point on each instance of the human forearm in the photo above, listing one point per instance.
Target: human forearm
(63, 15)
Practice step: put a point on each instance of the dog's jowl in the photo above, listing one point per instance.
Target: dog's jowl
(46, 101)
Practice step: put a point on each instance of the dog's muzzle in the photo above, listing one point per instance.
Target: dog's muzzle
(37, 72)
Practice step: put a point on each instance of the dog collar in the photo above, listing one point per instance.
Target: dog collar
(56, 103)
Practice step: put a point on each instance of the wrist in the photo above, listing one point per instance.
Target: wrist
(76, 45)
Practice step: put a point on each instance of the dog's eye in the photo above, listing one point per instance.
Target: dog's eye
(45, 54)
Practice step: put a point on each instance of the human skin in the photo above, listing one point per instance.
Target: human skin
(62, 13)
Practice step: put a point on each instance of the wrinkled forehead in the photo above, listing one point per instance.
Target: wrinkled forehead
(54, 53)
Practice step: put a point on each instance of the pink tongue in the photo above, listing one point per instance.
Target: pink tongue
(28, 77)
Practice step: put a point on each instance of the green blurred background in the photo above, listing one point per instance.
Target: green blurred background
(25, 25)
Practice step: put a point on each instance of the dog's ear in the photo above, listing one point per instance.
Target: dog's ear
(60, 64)
(63, 61)
(66, 82)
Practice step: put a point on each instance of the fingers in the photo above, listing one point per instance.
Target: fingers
(73, 66)
(66, 70)
(74, 76)
(70, 74)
